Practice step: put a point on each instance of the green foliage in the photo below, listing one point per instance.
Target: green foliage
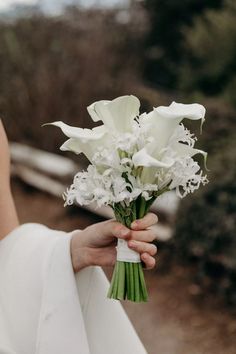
(195, 51)
(206, 225)
(210, 66)
(165, 45)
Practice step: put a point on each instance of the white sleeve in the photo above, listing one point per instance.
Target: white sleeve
(39, 305)
(46, 309)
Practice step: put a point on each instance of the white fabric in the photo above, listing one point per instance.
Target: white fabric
(125, 254)
(46, 309)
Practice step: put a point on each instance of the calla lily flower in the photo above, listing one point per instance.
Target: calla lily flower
(117, 115)
(133, 161)
(84, 141)
(156, 142)
(164, 120)
(162, 123)
(184, 150)
(143, 158)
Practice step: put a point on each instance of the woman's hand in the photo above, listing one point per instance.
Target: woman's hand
(96, 244)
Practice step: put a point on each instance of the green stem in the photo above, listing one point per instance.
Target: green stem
(128, 279)
(142, 208)
(143, 284)
(121, 281)
(131, 271)
(136, 282)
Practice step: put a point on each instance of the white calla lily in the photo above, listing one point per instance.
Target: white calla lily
(179, 151)
(150, 164)
(143, 158)
(170, 141)
(155, 150)
(117, 115)
(84, 141)
(179, 111)
(184, 150)
(163, 121)
(80, 133)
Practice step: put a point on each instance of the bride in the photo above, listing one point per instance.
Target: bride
(52, 292)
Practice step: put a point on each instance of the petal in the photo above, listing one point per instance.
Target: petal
(148, 175)
(160, 129)
(175, 110)
(179, 111)
(185, 150)
(88, 148)
(142, 158)
(84, 141)
(164, 120)
(79, 133)
(117, 114)
(92, 112)
(77, 146)
(71, 145)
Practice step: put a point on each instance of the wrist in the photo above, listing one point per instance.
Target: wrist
(79, 253)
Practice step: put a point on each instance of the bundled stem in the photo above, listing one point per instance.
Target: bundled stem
(128, 279)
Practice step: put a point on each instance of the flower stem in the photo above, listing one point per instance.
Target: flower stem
(142, 208)
(128, 279)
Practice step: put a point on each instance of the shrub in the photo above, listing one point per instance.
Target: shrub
(206, 226)
(165, 42)
(209, 65)
(52, 68)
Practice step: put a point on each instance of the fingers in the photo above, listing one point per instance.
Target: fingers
(148, 260)
(115, 229)
(145, 235)
(147, 221)
(146, 250)
(143, 247)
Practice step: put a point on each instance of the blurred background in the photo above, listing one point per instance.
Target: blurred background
(57, 57)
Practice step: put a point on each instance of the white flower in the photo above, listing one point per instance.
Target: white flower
(118, 118)
(117, 115)
(106, 158)
(134, 157)
(84, 141)
(184, 177)
(162, 123)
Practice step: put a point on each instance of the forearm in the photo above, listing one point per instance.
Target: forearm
(8, 215)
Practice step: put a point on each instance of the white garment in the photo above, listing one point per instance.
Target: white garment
(46, 309)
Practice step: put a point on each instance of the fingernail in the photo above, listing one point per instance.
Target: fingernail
(134, 224)
(131, 244)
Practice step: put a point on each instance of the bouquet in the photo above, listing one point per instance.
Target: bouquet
(134, 159)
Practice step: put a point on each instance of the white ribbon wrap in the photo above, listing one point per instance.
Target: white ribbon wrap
(125, 254)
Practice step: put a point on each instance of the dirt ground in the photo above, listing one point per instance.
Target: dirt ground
(177, 318)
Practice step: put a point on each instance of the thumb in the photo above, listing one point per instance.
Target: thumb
(113, 228)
